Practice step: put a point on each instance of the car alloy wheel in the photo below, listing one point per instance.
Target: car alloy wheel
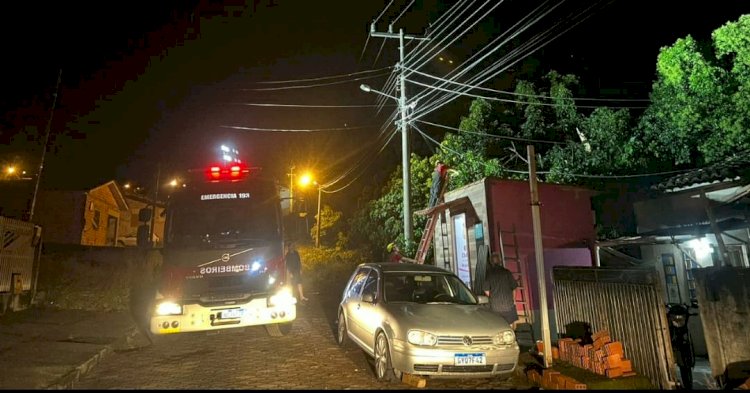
(383, 368)
(341, 330)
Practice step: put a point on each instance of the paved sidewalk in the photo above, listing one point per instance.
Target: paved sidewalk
(51, 348)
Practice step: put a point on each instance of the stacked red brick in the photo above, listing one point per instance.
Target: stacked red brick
(604, 356)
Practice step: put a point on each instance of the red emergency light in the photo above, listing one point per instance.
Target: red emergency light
(230, 172)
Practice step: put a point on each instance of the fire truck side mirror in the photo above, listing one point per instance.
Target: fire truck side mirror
(144, 214)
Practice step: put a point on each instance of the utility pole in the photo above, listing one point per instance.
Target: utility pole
(408, 230)
(317, 230)
(539, 254)
(291, 189)
(44, 146)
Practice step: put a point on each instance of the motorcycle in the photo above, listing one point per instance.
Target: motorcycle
(682, 346)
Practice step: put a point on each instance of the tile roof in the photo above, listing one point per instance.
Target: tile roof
(736, 166)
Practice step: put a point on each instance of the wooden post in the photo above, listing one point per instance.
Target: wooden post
(723, 256)
(539, 253)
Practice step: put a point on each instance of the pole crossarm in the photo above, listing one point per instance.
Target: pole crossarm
(396, 35)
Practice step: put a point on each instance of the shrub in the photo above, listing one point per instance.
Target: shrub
(328, 269)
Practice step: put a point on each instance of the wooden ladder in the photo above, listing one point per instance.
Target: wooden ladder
(429, 231)
(512, 262)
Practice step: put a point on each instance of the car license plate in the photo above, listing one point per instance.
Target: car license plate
(469, 359)
(231, 313)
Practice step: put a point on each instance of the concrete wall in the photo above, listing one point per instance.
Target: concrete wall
(60, 214)
(95, 277)
(724, 298)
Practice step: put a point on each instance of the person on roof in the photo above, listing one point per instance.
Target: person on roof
(438, 179)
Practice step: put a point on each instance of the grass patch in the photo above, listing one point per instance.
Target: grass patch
(81, 282)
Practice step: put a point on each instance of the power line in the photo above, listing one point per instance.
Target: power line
(305, 106)
(523, 94)
(402, 12)
(490, 135)
(433, 34)
(495, 69)
(379, 51)
(465, 68)
(326, 77)
(457, 36)
(314, 85)
(297, 129)
(366, 166)
(382, 12)
(455, 92)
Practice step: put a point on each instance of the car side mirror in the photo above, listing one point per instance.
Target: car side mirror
(483, 299)
(368, 298)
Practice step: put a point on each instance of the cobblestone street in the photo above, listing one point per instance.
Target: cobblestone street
(308, 358)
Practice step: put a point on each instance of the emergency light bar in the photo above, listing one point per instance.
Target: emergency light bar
(231, 172)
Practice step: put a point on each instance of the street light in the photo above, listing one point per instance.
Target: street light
(404, 155)
(368, 89)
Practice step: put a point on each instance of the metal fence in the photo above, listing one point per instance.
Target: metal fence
(16, 253)
(629, 303)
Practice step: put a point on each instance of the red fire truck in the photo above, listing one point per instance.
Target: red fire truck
(223, 262)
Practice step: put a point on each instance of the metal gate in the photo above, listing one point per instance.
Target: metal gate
(17, 245)
(630, 304)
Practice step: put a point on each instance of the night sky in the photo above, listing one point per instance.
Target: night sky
(136, 93)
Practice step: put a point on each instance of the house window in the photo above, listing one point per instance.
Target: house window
(95, 221)
(737, 255)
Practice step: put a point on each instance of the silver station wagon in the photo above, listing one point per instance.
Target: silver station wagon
(423, 320)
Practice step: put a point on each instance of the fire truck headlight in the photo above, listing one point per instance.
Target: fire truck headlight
(282, 298)
(168, 308)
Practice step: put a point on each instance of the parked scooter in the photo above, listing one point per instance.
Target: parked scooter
(682, 346)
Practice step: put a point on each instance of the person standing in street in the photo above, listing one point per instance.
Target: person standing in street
(294, 269)
(499, 285)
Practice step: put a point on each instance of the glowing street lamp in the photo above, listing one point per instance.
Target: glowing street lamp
(10, 170)
(305, 180)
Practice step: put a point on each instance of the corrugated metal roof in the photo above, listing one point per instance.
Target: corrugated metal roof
(733, 168)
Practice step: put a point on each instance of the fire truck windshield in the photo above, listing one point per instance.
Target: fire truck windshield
(224, 215)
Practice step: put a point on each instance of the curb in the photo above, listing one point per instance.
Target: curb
(69, 379)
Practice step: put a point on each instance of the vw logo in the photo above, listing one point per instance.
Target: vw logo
(467, 340)
(225, 257)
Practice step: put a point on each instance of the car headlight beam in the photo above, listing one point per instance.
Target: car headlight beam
(420, 337)
(282, 298)
(168, 308)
